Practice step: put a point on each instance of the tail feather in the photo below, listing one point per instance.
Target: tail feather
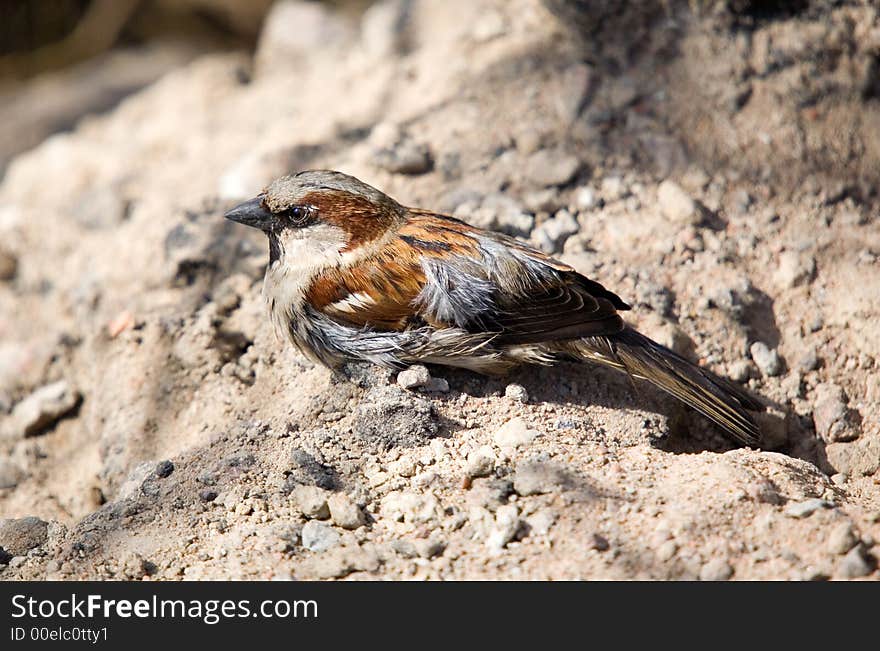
(718, 399)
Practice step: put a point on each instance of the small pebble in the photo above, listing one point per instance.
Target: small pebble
(676, 205)
(164, 469)
(516, 392)
(766, 359)
(841, 539)
(716, 569)
(311, 501)
(207, 495)
(538, 477)
(344, 512)
(807, 507)
(514, 433)
(413, 377)
(479, 464)
(319, 537)
(600, 543)
(809, 361)
(830, 414)
(43, 408)
(854, 565)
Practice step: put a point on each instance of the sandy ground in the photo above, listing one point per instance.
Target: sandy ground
(717, 168)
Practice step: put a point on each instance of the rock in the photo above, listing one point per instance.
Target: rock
(164, 469)
(508, 527)
(716, 569)
(413, 377)
(547, 200)
(431, 548)
(516, 392)
(344, 512)
(389, 417)
(855, 458)
(767, 360)
(855, 564)
(841, 539)
(8, 265)
(551, 167)
(585, 198)
(43, 408)
(831, 414)
(552, 233)
(538, 477)
(809, 361)
(10, 474)
(208, 495)
(541, 521)
(794, 269)
(677, 206)
(667, 551)
(498, 212)
(413, 508)
(806, 508)
(319, 537)
(404, 157)
(599, 543)
(480, 463)
(514, 433)
(613, 188)
(311, 501)
(18, 537)
(739, 370)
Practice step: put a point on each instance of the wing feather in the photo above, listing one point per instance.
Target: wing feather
(445, 273)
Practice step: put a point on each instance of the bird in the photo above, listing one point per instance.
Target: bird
(353, 275)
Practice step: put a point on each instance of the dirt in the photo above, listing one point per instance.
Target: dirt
(715, 164)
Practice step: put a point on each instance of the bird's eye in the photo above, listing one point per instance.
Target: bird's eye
(298, 215)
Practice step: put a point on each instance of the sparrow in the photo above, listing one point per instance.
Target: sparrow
(355, 276)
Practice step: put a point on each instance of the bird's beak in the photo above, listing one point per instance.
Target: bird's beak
(251, 213)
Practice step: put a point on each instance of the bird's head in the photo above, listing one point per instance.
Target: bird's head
(325, 208)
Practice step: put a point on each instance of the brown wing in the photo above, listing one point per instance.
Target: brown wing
(443, 272)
